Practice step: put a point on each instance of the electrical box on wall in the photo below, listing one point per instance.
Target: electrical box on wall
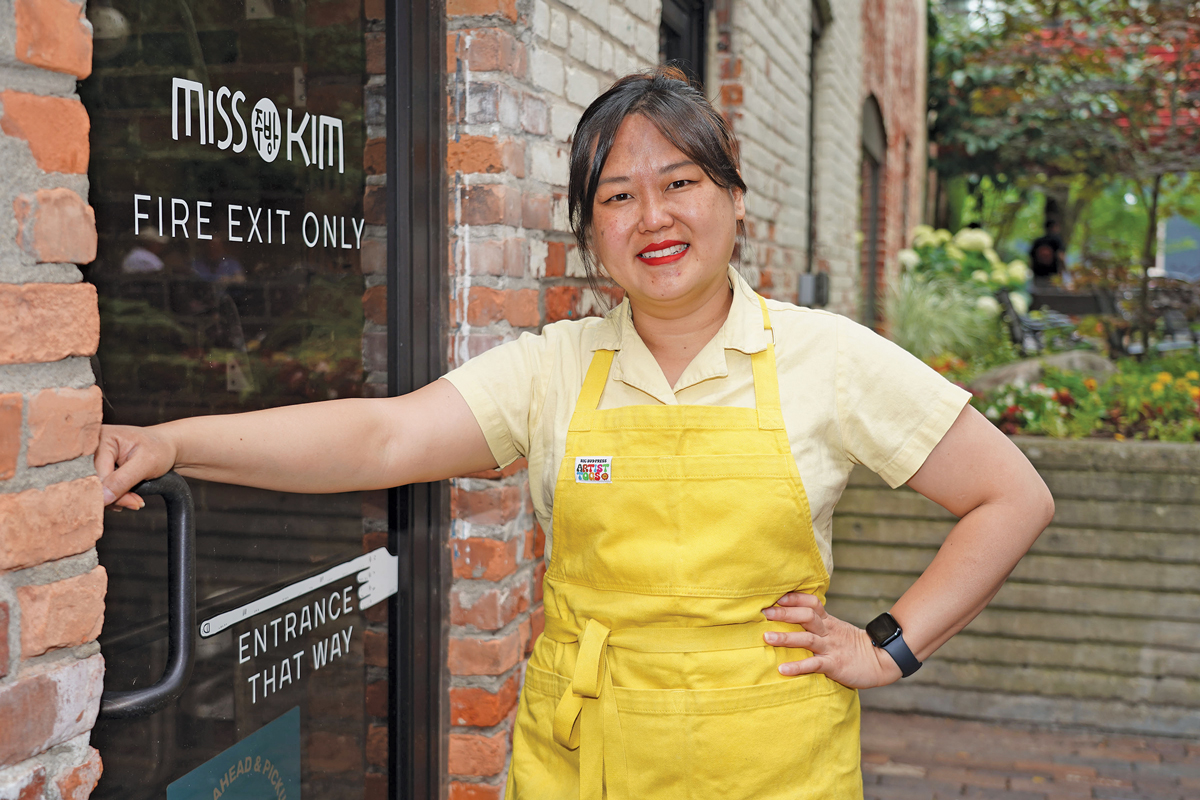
(814, 290)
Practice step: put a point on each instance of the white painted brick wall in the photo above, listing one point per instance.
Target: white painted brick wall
(838, 153)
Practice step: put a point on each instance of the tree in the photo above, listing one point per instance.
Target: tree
(1071, 92)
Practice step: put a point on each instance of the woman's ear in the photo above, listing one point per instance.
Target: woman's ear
(739, 202)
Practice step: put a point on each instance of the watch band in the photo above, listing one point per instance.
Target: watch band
(902, 655)
(886, 633)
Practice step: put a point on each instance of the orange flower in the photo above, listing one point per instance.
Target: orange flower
(1090, 383)
(1120, 437)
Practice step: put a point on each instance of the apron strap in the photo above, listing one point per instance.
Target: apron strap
(593, 387)
(586, 720)
(766, 381)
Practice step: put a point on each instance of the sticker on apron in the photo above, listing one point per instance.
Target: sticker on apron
(593, 469)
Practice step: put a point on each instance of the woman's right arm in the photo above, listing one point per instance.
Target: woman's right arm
(334, 446)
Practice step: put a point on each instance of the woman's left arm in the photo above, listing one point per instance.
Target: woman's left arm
(978, 475)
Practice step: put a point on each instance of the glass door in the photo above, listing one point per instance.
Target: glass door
(241, 266)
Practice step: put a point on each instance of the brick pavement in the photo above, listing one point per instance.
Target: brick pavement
(912, 757)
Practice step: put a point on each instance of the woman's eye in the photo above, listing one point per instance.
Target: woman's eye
(679, 184)
(617, 197)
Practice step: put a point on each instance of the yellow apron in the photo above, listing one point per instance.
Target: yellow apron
(674, 526)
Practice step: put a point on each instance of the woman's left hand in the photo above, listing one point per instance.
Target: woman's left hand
(841, 651)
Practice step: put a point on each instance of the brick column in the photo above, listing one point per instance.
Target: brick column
(519, 76)
(51, 586)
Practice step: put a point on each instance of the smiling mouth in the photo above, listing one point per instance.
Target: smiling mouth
(664, 255)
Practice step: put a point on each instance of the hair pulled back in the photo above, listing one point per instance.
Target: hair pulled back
(682, 115)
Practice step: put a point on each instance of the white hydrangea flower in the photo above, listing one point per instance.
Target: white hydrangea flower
(1019, 303)
(908, 258)
(1018, 271)
(988, 304)
(975, 239)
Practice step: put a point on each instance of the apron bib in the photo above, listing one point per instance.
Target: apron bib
(674, 526)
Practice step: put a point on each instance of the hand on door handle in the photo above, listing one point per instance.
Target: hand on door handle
(181, 605)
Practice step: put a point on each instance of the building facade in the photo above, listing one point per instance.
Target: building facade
(114, 305)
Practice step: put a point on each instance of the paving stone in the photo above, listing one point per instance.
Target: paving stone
(928, 758)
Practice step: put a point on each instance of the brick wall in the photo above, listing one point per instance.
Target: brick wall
(763, 89)
(51, 586)
(519, 76)
(1097, 626)
(838, 153)
(893, 71)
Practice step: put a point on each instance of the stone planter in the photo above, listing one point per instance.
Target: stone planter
(1098, 627)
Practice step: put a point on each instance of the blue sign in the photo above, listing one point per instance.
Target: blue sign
(266, 764)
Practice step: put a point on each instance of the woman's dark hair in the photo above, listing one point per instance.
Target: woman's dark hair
(681, 113)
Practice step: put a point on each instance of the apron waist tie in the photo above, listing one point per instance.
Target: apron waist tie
(586, 717)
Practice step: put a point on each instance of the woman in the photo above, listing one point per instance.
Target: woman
(685, 454)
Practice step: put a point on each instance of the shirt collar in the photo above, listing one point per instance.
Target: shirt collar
(635, 366)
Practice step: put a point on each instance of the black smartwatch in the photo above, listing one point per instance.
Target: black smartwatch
(885, 633)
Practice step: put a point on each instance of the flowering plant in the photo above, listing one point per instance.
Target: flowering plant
(1159, 400)
(969, 258)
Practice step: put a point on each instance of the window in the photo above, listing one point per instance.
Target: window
(682, 36)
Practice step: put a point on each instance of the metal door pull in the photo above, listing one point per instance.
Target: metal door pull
(181, 602)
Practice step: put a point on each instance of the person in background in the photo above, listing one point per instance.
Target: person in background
(1046, 255)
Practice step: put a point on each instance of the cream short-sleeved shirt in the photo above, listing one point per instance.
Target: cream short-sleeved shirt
(849, 396)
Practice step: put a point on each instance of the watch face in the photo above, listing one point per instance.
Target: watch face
(882, 629)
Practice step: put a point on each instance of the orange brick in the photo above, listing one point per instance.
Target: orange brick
(491, 609)
(56, 129)
(56, 225)
(63, 424)
(556, 264)
(374, 9)
(377, 745)
(374, 257)
(562, 302)
(375, 649)
(493, 506)
(470, 754)
(47, 322)
(484, 656)
(375, 205)
(10, 434)
(377, 699)
(731, 95)
(43, 525)
(481, 708)
(482, 8)
(491, 204)
(375, 157)
(536, 212)
(539, 572)
(491, 50)
(53, 34)
(521, 308)
(376, 46)
(460, 790)
(491, 257)
(485, 559)
(374, 302)
(49, 704)
(65, 613)
(375, 786)
(78, 782)
(486, 154)
(539, 540)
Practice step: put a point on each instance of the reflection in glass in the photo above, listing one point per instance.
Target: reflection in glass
(227, 179)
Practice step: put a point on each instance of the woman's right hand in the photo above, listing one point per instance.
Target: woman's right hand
(126, 457)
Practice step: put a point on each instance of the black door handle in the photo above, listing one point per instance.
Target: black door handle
(181, 605)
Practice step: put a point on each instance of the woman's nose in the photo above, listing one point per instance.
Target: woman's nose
(655, 215)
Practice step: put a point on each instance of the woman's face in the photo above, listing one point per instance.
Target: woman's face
(661, 228)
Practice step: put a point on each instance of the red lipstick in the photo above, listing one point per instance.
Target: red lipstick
(666, 259)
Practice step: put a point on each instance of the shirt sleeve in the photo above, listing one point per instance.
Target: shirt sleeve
(892, 408)
(500, 388)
